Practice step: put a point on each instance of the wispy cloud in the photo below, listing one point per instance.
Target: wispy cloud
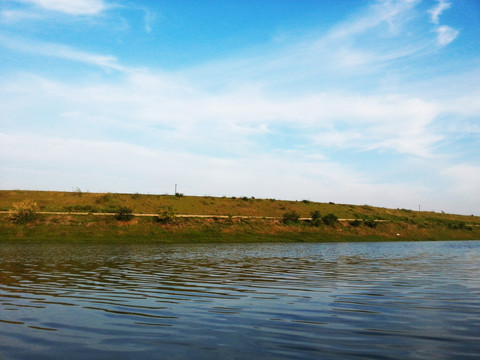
(365, 49)
(71, 7)
(394, 123)
(11, 16)
(61, 51)
(437, 10)
(149, 18)
(446, 35)
(392, 13)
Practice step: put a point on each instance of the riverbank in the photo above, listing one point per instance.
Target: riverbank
(209, 219)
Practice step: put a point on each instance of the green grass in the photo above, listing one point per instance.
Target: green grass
(401, 225)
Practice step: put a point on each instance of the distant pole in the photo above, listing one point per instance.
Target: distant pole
(418, 207)
(175, 189)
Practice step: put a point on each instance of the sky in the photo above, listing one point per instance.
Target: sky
(358, 102)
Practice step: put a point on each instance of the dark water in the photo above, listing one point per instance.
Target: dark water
(305, 301)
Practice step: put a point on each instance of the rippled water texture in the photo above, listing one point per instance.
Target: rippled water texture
(350, 300)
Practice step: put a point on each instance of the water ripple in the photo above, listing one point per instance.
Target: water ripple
(377, 300)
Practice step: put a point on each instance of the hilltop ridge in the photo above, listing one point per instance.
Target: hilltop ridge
(74, 215)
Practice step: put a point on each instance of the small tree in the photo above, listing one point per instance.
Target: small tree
(316, 218)
(330, 219)
(165, 215)
(124, 214)
(291, 217)
(23, 211)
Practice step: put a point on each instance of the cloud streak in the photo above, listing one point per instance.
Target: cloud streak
(445, 34)
(62, 52)
(70, 7)
(436, 11)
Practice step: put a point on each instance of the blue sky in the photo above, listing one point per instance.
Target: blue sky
(362, 102)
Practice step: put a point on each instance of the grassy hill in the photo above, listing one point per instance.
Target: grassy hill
(400, 224)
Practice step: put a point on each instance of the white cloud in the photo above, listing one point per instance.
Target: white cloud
(71, 7)
(390, 12)
(446, 35)
(148, 101)
(61, 51)
(436, 11)
(11, 16)
(362, 50)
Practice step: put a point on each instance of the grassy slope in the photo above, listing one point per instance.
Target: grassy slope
(408, 224)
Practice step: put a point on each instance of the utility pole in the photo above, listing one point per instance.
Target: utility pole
(418, 208)
(175, 189)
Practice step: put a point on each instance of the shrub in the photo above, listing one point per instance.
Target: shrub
(316, 218)
(371, 223)
(306, 201)
(165, 215)
(457, 225)
(104, 198)
(291, 217)
(24, 211)
(356, 223)
(330, 219)
(177, 194)
(124, 214)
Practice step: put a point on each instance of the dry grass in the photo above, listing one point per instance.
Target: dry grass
(206, 205)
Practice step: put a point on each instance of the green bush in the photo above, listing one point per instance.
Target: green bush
(24, 211)
(356, 223)
(291, 217)
(457, 225)
(371, 223)
(330, 219)
(124, 214)
(316, 218)
(165, 215)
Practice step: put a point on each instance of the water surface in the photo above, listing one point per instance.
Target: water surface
(416, 300)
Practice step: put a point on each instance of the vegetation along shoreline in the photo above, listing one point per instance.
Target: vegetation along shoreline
(82, 216)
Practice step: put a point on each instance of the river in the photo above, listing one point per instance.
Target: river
(398, 300)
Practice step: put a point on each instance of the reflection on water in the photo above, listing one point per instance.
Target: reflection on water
(361, 300)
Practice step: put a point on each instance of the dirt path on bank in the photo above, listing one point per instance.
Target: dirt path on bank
(176, 215)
